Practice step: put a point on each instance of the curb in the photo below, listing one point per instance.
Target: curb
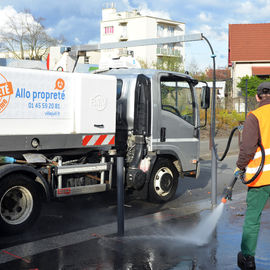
(208, 155)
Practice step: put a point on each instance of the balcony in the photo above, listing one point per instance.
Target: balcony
(168, 52)
(122, 52)
(123, 37)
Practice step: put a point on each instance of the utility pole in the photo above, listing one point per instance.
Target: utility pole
(214, 154)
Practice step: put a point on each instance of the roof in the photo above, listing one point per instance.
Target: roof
(249, 42)
(134, 14)
(260, 70)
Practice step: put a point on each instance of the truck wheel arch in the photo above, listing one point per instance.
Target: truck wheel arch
(8, 169)
(175, 160)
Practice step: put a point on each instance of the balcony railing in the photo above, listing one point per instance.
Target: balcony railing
(123, 37)
(168, 52)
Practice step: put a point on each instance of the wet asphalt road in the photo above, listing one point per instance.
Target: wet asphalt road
(77, 213)
(164, 245)
(67, 235)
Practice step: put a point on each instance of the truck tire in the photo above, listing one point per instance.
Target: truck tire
(163, 181)
(20, 204)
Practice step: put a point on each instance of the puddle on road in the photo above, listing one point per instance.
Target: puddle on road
(197, 236)
(169, 246)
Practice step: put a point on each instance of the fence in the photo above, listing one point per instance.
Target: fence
(225, 100)
(229, 112)
(237, 104)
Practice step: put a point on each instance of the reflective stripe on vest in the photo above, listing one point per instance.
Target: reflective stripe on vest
(259, 153)
(266, 168)
(262, 114)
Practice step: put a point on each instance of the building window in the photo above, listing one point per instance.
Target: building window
(86, 59)
(170, 49)
(170, 31)
(160, 30)
(123, 31)
(109, 30)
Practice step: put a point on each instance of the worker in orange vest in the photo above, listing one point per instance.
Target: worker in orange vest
(256, 129)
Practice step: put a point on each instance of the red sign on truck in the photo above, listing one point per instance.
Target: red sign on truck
(6, 90)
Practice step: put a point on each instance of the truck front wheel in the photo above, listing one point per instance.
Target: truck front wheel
(163, 181)
(20, 204)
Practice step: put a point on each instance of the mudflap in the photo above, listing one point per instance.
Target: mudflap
(143, 193)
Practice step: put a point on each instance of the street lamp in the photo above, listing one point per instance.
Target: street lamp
(213, 132)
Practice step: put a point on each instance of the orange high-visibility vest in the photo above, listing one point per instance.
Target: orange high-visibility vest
(263, 116)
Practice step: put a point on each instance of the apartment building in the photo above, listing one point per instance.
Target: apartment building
(131, 25)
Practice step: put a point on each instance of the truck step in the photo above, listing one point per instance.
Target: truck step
(71, 191)
(82, 168)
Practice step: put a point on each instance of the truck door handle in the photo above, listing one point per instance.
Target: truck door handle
(99, 126)
(163, 134)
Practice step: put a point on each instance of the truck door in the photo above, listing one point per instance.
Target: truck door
(178, 120)
(142, 106)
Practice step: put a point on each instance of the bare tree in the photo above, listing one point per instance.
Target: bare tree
(25, 37)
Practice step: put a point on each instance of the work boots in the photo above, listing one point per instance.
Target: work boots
(245, 262)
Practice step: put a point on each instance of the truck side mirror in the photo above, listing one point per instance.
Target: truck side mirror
(205, 97)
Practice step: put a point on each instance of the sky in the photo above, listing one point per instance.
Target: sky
(79, 21)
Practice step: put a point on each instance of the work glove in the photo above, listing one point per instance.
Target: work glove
(237, 172)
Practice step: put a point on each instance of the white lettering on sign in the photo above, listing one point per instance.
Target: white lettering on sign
(36, 98)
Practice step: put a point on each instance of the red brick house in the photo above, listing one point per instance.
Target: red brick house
(249, 51)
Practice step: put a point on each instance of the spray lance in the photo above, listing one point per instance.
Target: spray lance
(227, 193)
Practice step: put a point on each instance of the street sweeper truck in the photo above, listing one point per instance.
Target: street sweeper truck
(60, 133)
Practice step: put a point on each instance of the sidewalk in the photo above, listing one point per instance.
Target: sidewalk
(221, 143)
(160, 241)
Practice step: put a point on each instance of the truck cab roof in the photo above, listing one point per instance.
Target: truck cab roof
(130, 72)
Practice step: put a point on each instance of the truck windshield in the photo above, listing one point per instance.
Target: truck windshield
(177, 98)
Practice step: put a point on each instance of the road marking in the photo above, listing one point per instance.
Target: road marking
(15, 256)
(25, 250)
